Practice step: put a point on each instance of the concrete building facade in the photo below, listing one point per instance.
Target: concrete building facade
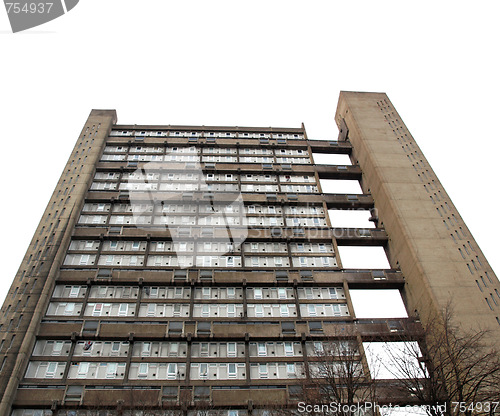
(186, 267)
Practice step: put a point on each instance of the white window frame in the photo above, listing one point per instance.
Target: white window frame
(111, 370)
(57, 347)
(98, 308)
(123, 309)
(263, 371)
(174, 349)
(232, 371)
(232, 349)
(83, 369)
(203, 375)
(261, 349)
(143, 370)
(74, 291)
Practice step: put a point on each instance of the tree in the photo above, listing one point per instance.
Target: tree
(450, 365)
(338, 374)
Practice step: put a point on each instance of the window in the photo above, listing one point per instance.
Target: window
(135, 245)
(123, 310)
(263, 371)
(115, 348)
(231, 292)
(111, 370)
(74, 291)
(318, 347)
(282, 293)
(336, 310)
(97, 309)
(84, 260)
(151, 309)
(283, 310)
(231, 310)
(83, 369)
(205, 292)
(311, 310)
(143, 370)
(257, 293)
(231, 349)
(261, 349)
(87, 347)
(259, 310)
(204, 349)
(203, 371)
(146, 349)
(174, 349)
(290, 369)
(231, 372)
(69, 309)
(56, 350)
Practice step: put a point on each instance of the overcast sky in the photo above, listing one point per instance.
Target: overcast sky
(259, 63)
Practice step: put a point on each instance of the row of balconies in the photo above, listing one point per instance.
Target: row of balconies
(342, 201)
(222, 399)
(202, 310)
(204, 187)
(185, 260)
(304, 235)
(187, 209)
(215, 219)
(90, 370)
(197, 150)
(204, 132)
(131, 177)
(135, 247)
(171, 350)
(160, 159)
(199, 293)
(283, 166)
(381, 329)
(355, 278)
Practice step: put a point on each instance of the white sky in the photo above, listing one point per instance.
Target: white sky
(260, 63)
